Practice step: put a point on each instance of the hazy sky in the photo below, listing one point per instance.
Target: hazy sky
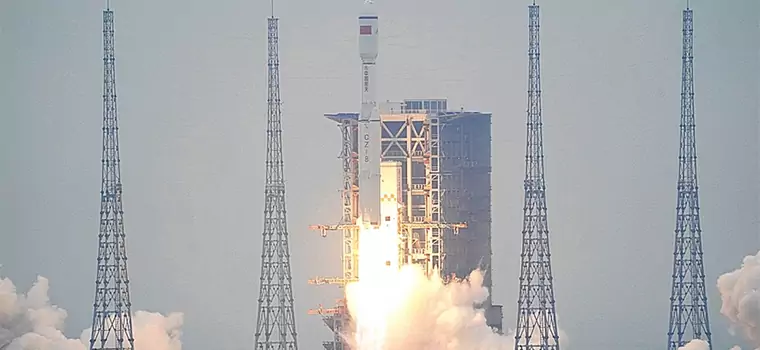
(192, 107)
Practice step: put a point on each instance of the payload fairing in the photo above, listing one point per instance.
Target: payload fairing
(369, 121)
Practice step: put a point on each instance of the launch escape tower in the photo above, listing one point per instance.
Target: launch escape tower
(275, 325)
(112, 309)
(688, 299)
(536, 315)
(446, 173)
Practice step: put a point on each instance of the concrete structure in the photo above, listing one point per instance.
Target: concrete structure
(445, 219)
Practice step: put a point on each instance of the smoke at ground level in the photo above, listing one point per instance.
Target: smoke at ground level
(29, 321)
(424, 313)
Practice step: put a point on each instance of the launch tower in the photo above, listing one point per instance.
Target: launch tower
(445, 218)
(112, 309)
(536, 315)
(275, 324)
(688, 298)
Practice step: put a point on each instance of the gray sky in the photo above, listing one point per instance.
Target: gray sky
(192, 95)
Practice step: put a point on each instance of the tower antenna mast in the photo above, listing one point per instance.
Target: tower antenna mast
(536, 317)
(112, 309)
(688, 298)
(275, 325)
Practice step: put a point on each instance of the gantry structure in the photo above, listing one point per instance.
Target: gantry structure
(688, 299)
(536, 312)
(445, 158)
(275, 324)
(112, 309)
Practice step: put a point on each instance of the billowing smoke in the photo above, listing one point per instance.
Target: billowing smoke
(740, 303)
(155, 331)
(741, 299)
(424, 313)
(699, 344)
(696, 344)
(30, 322)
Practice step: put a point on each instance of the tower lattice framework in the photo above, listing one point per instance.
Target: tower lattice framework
(112, 310)
(688, 300)
(275, 326)
(536, 318)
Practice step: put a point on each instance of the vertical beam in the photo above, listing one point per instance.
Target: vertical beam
(420, 130)
(408, 233)
(434, 242)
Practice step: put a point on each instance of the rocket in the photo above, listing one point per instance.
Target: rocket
(379, 182)
(369, 121)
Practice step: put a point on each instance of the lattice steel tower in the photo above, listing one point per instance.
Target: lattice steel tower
(276, 325)
(536, 317)
(112, 310)
(688, 298)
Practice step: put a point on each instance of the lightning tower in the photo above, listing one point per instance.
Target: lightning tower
(112, 310)
(275, 325)
(536, 318)
(688, 299)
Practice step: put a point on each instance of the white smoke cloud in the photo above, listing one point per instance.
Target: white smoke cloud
(741, 299)
(536, 339)
(158, 332)
(30, 322)
(427, 314)
(697, 344)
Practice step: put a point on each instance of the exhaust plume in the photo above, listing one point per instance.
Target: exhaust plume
(403, 308)
(424, 313)
(30, 322)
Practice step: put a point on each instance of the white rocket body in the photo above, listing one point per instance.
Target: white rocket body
(369, 123)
